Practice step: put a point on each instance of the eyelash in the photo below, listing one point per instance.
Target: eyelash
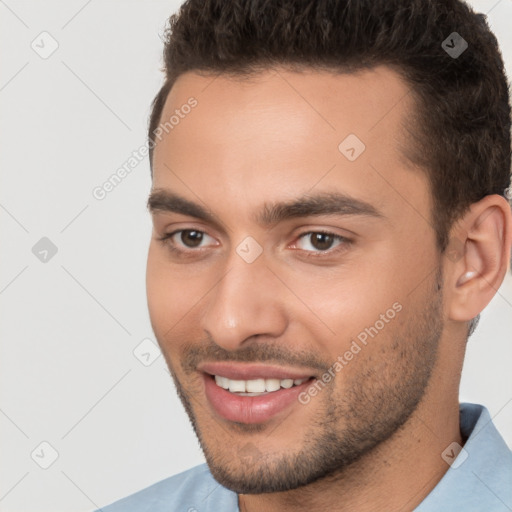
(166, 240)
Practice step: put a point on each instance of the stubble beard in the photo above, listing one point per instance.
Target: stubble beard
(374, 405)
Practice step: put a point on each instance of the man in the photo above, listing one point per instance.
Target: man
(330, 218)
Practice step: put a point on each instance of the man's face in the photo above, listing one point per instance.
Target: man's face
(301, 262)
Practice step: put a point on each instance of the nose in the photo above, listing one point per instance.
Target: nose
(246, 302)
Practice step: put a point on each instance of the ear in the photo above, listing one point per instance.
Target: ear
(477, 257)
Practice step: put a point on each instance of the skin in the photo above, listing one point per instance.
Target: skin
(373, 438)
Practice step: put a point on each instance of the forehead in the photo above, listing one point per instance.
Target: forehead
(281, 133)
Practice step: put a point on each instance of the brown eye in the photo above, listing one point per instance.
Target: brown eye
(191, 238)
(321, 241)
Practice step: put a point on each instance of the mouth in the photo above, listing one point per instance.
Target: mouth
(252, 393)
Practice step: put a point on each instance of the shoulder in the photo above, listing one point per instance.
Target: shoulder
(492, 458)
(479, 477)
(191, 491)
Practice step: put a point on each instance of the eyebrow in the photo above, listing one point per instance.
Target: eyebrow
(321, 203)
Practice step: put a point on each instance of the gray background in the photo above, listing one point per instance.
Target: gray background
(71, 324)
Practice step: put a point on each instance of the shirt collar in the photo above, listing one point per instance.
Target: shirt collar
(480, 476)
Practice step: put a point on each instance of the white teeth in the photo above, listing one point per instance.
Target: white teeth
(272, 384)
(222, 381)
(237, 386)
(287, 383)
(256, 387)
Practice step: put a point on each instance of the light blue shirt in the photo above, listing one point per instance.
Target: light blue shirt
(478, 480)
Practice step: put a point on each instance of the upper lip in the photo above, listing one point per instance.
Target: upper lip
(250, 371)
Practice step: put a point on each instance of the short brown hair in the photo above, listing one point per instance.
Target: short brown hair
(460, 131)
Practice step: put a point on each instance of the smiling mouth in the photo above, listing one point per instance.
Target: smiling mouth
(252, 393)
(256, 387)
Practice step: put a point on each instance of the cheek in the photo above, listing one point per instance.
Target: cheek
(155, 283)
(175, 295)
(164, 294)
(343, 303)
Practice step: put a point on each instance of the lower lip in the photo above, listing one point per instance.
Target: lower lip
(250, 409)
